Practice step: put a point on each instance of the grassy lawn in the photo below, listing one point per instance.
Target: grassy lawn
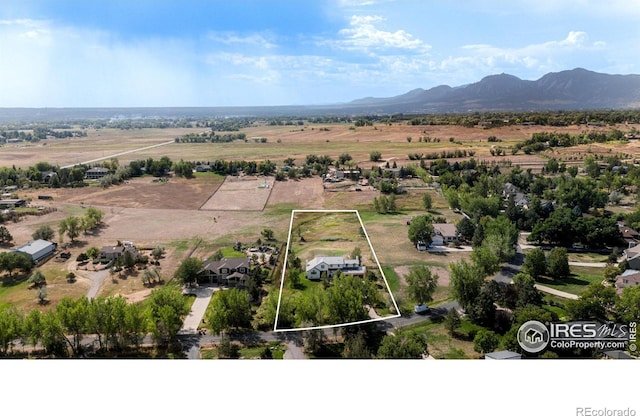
(392, 278)
(577, 282)
(441, 345)
(588, 257)
(251, 352)
(555, 304)
(229, 252)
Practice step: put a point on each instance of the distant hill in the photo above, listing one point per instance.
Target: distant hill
(577, 89)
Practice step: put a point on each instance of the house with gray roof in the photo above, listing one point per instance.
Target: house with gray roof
(232, 272)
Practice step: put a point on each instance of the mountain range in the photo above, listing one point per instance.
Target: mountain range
(577, 89)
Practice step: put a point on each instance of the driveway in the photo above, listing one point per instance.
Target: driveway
(97, 278)
(294, 351)
(198, 309)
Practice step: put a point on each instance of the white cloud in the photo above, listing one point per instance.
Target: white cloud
(229, 38)
(362, 34)
(542, 56)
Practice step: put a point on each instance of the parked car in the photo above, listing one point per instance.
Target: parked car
(421, 308)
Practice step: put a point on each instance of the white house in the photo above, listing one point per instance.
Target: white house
(328, 266)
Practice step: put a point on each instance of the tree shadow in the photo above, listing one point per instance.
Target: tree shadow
(14, 280)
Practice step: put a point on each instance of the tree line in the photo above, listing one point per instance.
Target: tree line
(115, 324)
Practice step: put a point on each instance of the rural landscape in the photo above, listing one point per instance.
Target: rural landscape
(174, 237)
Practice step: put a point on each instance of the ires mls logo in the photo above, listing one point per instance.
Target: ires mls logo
(534, 336)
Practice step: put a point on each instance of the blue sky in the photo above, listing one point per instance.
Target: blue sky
(77, 53)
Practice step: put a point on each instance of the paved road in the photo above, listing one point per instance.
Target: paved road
(117, 154)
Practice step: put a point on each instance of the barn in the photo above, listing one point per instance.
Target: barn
(38, 249)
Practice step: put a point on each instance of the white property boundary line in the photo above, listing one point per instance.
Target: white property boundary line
(284, 268)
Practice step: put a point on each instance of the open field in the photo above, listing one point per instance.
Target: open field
(210, 211)
(286, 141)
(247, 193)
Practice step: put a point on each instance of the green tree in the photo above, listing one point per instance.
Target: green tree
(535, 263)
(427, 201)
(5, 235)
(53, 338)
(466, 281)
(188, 270)
(596, 302)
(229, 309)
(136, 323)
(71, 226)
(421, 229)
(33, 327)
(452, 321)
(166, 309)
(355, 346)
(628, 304)
(157, 252)
(11, 327)
(37, 278)
(44, 232)
(93, 252)
(128, 260)
(558, 263)
(486, 260)
(42, 294)
(12, 260)
(293, 277)
(375, 156)
(485, 341)
(348, 297)
(73, 316)
(526, 290)
(403, 345)
(267, 233)
(421, 283)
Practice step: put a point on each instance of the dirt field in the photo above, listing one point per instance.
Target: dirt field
(248, 193)
(177, 193)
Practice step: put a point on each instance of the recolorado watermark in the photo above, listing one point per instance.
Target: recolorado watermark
(590, 411)
(535, 336)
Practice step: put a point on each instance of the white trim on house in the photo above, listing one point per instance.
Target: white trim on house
(331, 264)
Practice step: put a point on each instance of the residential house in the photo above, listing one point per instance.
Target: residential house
(115, 252)
(509, 190)
(204, 168)
(629, 278)
(629, 235)
(521, 200)
(231, 272)
(328, 266)
(96, 173)
(443, 234)
(632, 256)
